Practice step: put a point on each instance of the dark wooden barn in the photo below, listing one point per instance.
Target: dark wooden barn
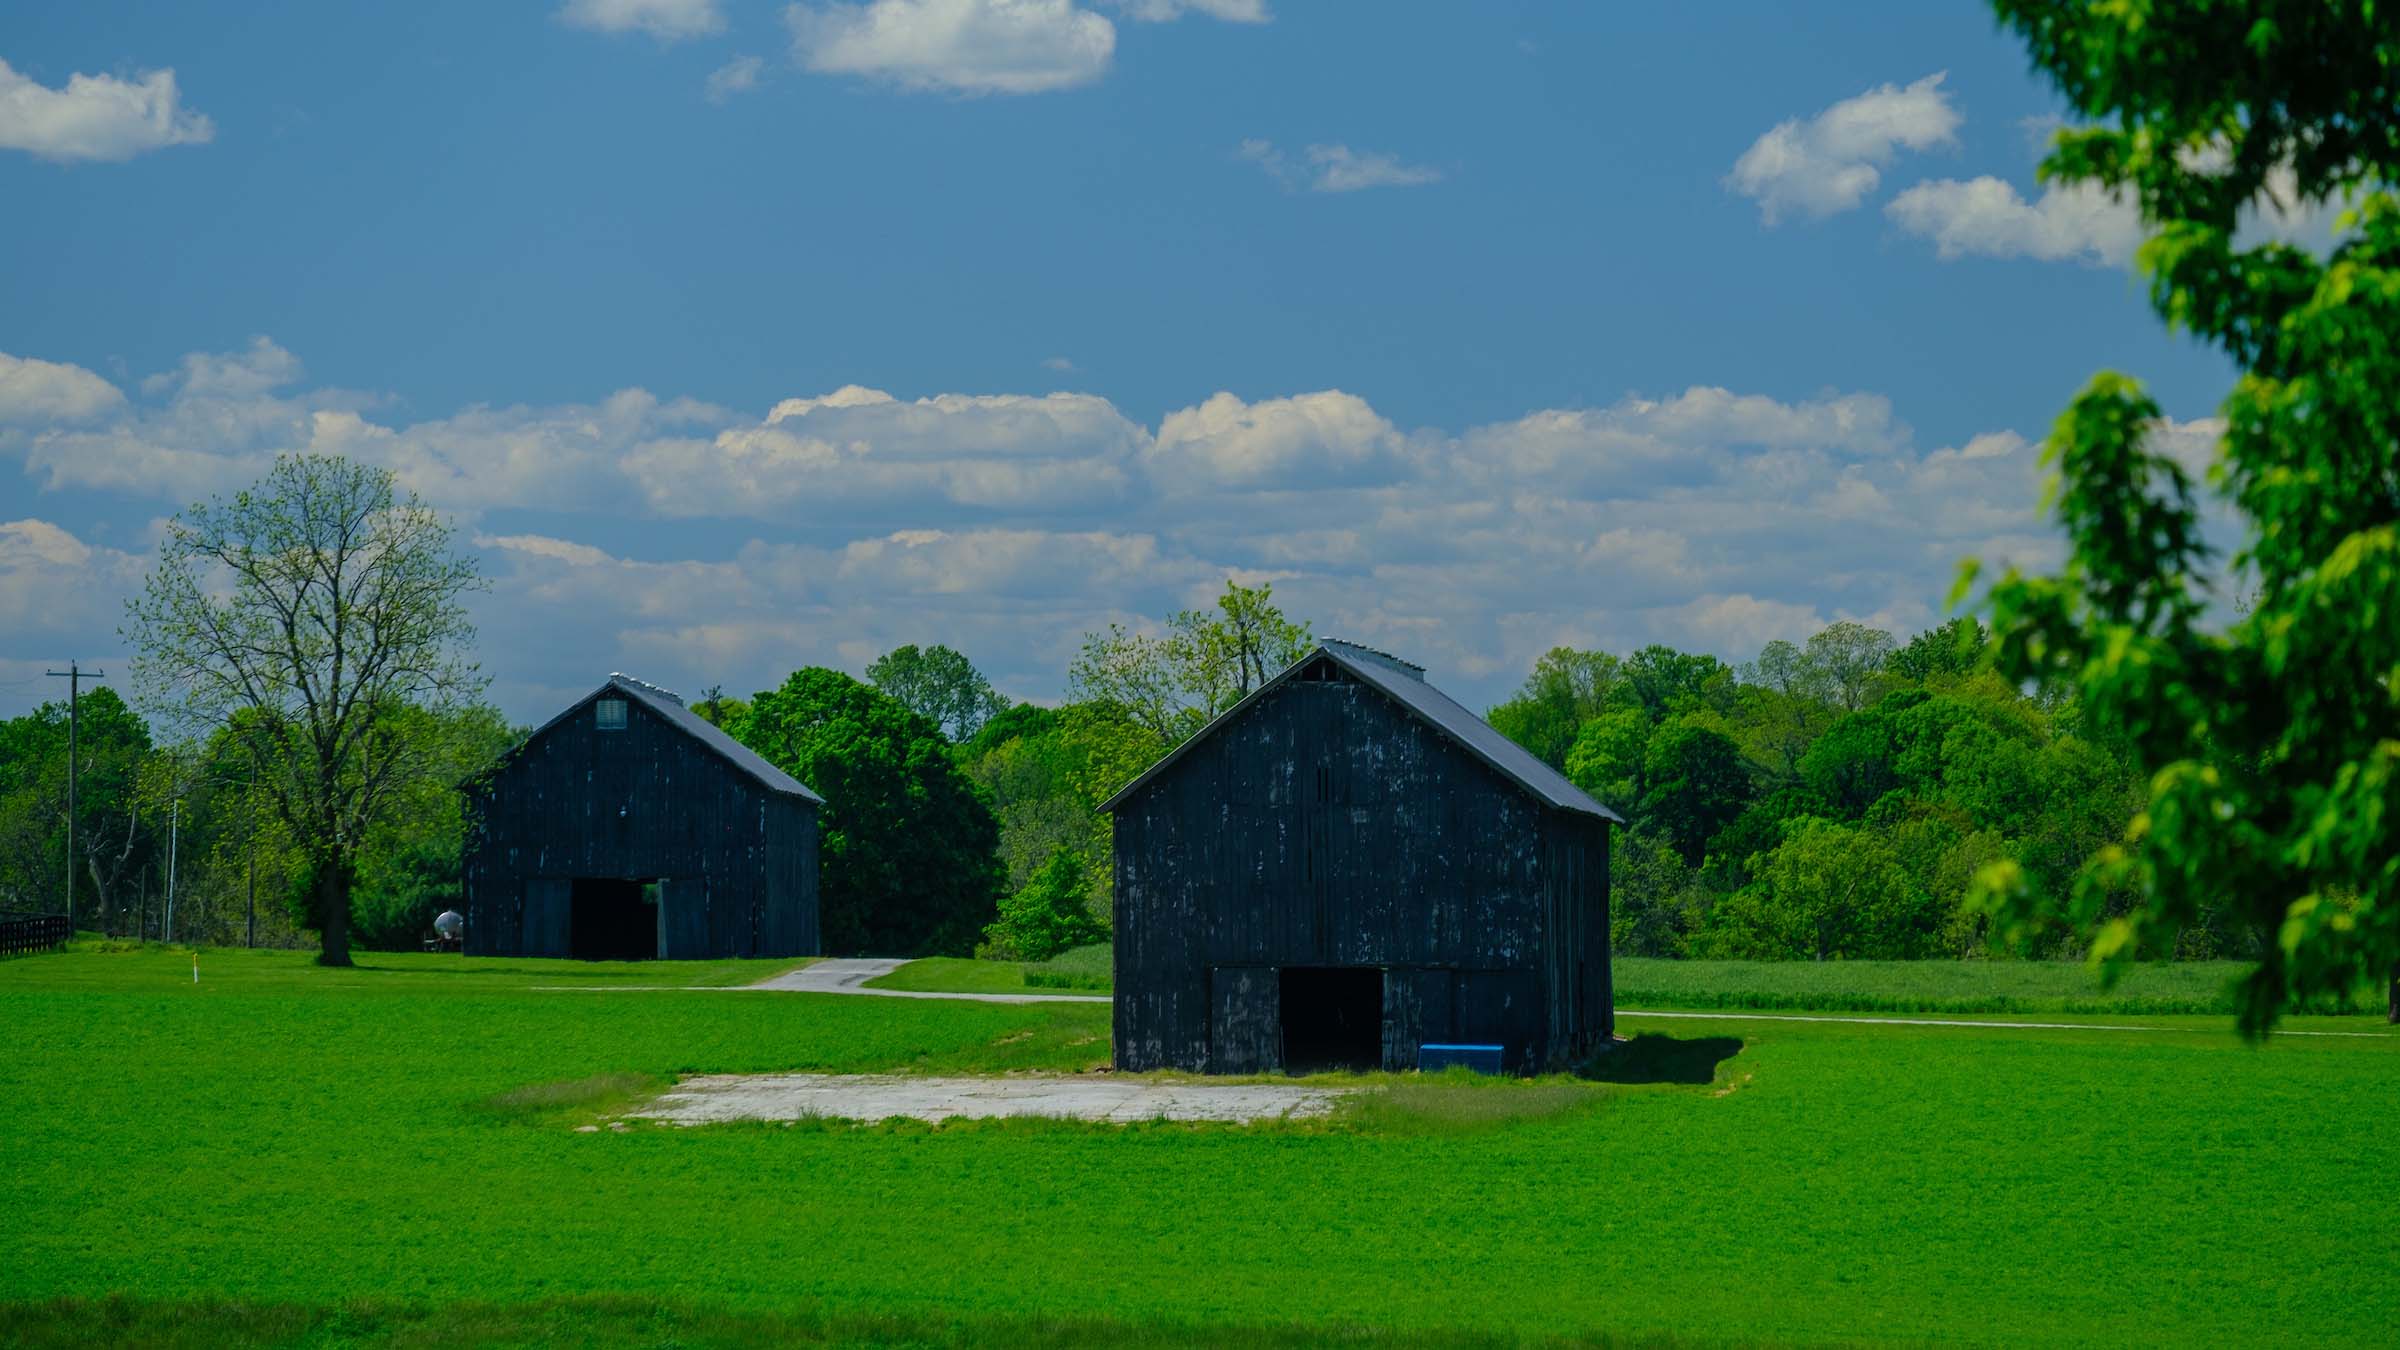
(1349, 866)
(629, 827)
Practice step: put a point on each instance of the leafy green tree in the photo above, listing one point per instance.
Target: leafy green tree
(1827, 890)
(1566, 689)
(1034, 782)
(1207, 661)
(2269, 743)
(115, 838)
(1662, 682)
(306, 615)
(1759, 828)
(1843, 664)
(410, 869)
(1940, 851)
(1247, 641)
(1952, 650)
(1113, 748)
(1610, 757)
(1696, 783)
(939, 685)
(1655, 898)
(1856, 761)
(1024, 720)
(717, 710)
(906, 842)
(1777, 710)
(1048, 914)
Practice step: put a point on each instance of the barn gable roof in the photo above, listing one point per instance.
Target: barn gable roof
(670, 709)
(1404, 683)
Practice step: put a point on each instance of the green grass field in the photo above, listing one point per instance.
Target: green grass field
(2182, 987)
(284, 1155)
(2188, 987)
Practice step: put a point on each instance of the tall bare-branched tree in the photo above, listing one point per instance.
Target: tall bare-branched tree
(302, 616)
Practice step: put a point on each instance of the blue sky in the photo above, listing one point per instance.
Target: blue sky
(746, 336)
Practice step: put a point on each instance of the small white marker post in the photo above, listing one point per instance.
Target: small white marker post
(195, 967)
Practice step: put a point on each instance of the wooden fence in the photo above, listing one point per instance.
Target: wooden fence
(32, 932)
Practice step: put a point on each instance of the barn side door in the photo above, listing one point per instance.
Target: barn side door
(549, 907)
(1245, 1019)
(1403, 1019)
(683, 919)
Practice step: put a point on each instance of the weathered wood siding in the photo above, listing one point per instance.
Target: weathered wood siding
(1326, 826)
(737, 864)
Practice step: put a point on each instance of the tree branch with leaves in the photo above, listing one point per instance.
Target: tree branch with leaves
(2271, 743)
(1207, 661)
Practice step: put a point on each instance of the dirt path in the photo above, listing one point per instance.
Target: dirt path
(708, 1098)
(833, 975)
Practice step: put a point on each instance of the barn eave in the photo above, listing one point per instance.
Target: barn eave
(1403, 683)
(671, 710)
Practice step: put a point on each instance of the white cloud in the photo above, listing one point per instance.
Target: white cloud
(1680, 440)
(96, 117)
(2192, 444)
(1060, 364)
(665, 20)
(1020, 564)
(1167, 11)
(1742, 622)
(1986, 216)
(832, 526)
(55, 586)
(246, 374)
(2085, 223)
(543, 546)
(1830, 162)
(46, 391)
(862, 445)
(2282, 214)
(1335, 168)
(737, 76)
(1307, 440)
(956, 46)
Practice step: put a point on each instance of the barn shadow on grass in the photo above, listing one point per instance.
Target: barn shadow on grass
(1653, 1058)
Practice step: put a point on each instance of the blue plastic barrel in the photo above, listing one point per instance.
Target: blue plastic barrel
(1433, 1057)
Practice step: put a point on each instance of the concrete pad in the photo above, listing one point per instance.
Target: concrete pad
(708, 1098)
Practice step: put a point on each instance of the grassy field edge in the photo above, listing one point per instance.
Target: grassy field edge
(2191, 988)
(65, 1323)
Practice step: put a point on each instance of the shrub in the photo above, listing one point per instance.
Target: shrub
(1048, 914)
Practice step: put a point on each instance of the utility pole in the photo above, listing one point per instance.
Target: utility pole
(74, 675)
(174, 818)
(250, 853)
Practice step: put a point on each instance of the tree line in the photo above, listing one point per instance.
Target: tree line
(1831, 799)
(1840, 798)
(314, 710)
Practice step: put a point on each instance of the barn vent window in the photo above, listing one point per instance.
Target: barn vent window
(611, 714)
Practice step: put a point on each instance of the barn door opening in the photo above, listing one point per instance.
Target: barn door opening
(1332, 1017)
(613, 919)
